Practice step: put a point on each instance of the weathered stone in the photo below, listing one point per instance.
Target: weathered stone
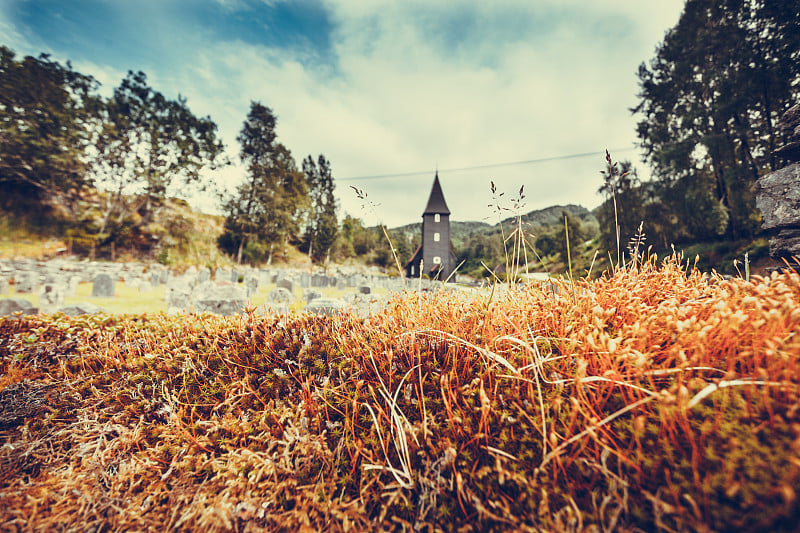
(311, 294)
(204, 275)
(251, 284)
(785, 243)
(51, 297)
(178, 294)
(778, 198)
(103, 286)
(4, 286)
(10, 306)
(279, 295)
(219, 298)
(25, 282)
(325, 306)
(223, 274)
(285, 283)
(83, 308)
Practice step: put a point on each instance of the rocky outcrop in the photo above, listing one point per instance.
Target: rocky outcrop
(778, 193)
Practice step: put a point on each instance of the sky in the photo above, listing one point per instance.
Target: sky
(526, 93)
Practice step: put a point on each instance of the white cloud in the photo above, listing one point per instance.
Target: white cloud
(410, 90)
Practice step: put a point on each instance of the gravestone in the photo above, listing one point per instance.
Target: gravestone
(364, 289)
(8, 306)
(51, 296)
(285, 283)
(325, 306)
(25, 282)
(83, 308)
(178, 295)
(279, 295)
(219, 298)
(311, 294)
(251, 284)
(204, 275)
(103, 286)
(778, 192)
(223, 274)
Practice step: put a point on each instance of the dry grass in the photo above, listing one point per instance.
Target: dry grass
(645, 400)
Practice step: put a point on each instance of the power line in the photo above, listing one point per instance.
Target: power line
(492, 165)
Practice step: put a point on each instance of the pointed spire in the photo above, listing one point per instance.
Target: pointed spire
(436, 203)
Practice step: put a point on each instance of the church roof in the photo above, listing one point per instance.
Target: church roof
(436, 203)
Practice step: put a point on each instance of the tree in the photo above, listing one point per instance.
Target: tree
(710, 99)
(45, 109)
(323, 224)
(148, 144)
(268, 206)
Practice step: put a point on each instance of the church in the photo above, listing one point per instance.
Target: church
(434, 256)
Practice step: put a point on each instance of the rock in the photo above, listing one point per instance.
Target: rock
(9, 306)
(778, 198)
(325, 306)
(178, 294)
(251, 284)
(25, 282)
(103, 286)
(219, 298)
(83, 308)
(279, 295)
(311, 294)
(785, 243)
(285, 283)
(51, 297)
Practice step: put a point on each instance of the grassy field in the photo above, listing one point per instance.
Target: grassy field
(649, 399)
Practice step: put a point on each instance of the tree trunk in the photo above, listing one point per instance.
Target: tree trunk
(239, 252)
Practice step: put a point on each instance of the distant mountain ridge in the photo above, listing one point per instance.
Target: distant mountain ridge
(538, 218)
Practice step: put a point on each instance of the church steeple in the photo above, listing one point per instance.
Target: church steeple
(434, 257)
(436, 203)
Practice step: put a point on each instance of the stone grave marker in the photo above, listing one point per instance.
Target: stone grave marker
(325, 306)
(219, 298)
(25, 282)
(103, 286)
(51, 297)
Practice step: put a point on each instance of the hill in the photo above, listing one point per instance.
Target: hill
(536, 220)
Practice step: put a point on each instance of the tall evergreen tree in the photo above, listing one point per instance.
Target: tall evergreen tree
(268, 206)
(710, 100)
(323, 225)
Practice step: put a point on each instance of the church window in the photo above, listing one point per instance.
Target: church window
(436, 237)
(437, 217)
(437, 260)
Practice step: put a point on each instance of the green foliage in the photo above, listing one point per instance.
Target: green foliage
(323, 225)
(45, 112)
(269, 205)
(710, 100)
(149, 145)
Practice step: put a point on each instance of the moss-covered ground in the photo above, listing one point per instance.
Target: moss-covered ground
(648, 399)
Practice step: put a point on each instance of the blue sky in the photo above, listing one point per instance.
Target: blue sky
(386, 87)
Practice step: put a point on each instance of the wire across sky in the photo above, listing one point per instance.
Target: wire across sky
(491, 165)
